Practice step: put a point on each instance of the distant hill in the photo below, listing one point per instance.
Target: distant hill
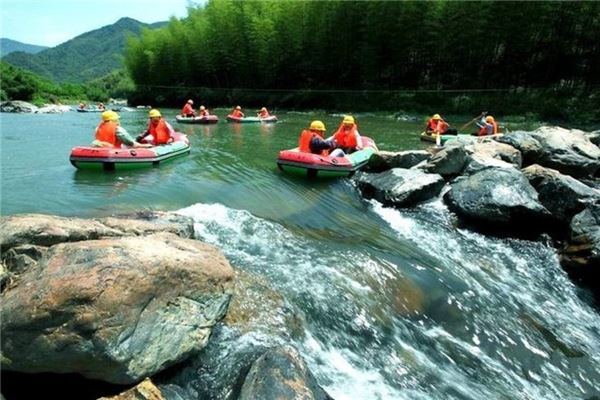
(85, 57)
(8, 46)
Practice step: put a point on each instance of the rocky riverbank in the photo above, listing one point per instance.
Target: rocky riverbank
(544, 182)
(124, 299)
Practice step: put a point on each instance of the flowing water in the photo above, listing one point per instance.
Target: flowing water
(398, 304)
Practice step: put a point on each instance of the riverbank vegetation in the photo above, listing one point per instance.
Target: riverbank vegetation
(460, 57)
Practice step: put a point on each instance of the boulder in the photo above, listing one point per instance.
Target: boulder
(53, 109)
(581, 254)
(400, 187)
(562, 195)
(281, 373)
(385, 160)
(568, 151)
(498, 151)
(498, 197)
(17, 106)
(448, 162)
(477, 162)
(115, 309)
(145, 390)
(530, 147)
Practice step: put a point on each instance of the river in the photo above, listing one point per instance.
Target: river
(398, 304)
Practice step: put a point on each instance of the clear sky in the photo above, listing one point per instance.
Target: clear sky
(52, 22)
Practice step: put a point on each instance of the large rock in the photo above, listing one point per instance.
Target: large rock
(581, 254)
(498, 151)
(499, 198)
(562, 195)
(385, 160)
(117, 309)
(17, 106)
(400, 187)
(530, 147)
(450, 161)
(145, 390)
(281, 373)
(568, 151)
(47, 230)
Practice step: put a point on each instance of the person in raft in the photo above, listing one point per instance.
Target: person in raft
(203, 112)
(346, 138)
(263, 113)
(188, 109)
(311, 140)
(237, 112)
(110, 133)
(487, 125)
(160, 131)
(437, 126)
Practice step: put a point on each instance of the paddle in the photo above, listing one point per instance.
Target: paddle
(473, 120)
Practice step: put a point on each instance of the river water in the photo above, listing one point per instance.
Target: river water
(398, 304)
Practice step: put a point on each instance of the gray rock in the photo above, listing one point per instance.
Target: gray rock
(477, 162)
(568, 151)
(450, 161)
(562, 195)
(400, 187)
(17, 106)
(385, 160)
(281, 373)
(499, 196)
(581, 253)
(530, 147)
(499, 151)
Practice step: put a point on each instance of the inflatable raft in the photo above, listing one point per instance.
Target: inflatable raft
(210, 119)
(315, 165)
(111, 159)
(244, 120)
(444, 138)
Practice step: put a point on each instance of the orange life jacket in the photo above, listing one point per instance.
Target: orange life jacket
(187, 110)
(346, 138)
(161, 131)
(107, 132)
(237, 114)
(204, 113)
(437, 125)
(264, 114)
(304, 143)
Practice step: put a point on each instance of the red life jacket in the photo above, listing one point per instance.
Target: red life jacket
(346, 138)
(304, 143)
(437, 125)
(237, 114)
(264, 114)
(204, 113)
(161, 131)
(107, 132)
(187, 110)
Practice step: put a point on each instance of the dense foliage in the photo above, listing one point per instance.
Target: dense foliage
(86, 57)
(463, 56)
(18, 84)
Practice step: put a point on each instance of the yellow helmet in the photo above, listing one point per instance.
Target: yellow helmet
(489, 118)
(317, 126)
(348, 119)
(202, 108)
(110, 116)
(436, 116)
(190, 101)
(238, 108)
(263, 109)
(154, 113)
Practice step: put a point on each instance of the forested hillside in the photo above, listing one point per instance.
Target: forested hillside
(8, 46)
(85, 57)
(375, 53)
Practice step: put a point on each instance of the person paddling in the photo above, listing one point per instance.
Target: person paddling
(263, 113)
(487, 125)
(237, 112)
(311, 140)
(347, 138)
(160, 130)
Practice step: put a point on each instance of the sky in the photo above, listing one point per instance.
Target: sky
(52, 22)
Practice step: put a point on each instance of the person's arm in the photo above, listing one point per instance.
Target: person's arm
(359, 142)
(317, 144)
(127, 140)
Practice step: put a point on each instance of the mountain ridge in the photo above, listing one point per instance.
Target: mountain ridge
(85, 57)
(8, 46)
